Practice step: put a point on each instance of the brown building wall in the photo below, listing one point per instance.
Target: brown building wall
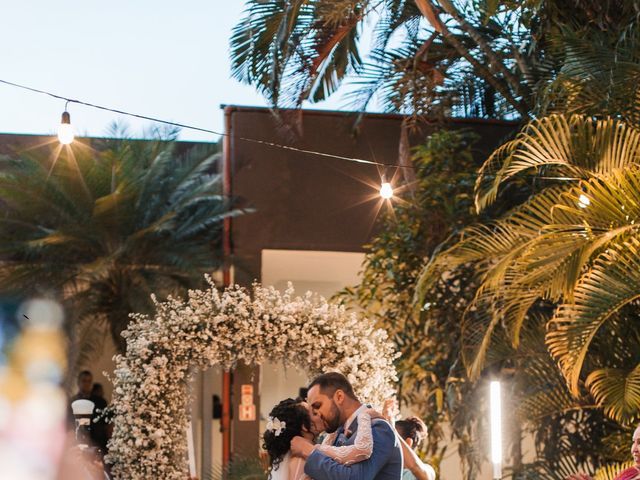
(309, 202)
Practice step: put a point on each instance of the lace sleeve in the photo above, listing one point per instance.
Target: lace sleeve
(329, 439)
(361, 448)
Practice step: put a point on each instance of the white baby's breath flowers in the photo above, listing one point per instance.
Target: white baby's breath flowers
(210, 328)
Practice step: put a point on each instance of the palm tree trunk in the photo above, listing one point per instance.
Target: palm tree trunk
(429, 11)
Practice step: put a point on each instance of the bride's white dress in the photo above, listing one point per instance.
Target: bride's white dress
(292, 468)
(282, 472)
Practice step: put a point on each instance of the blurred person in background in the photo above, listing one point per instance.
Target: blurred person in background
(85, 387)
(99, 426)
(412, 432)
(98, 391)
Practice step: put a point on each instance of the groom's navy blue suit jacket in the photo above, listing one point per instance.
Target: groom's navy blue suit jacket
(385, 462)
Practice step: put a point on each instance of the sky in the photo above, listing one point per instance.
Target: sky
(159, 58)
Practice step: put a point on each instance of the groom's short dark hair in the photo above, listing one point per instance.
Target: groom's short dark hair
(332, 381)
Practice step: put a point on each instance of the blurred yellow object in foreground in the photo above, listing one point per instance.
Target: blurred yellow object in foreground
(32, 404)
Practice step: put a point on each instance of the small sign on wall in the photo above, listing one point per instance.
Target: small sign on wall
(246, 395)
(246, 389)
(247, 413)
(247, 410)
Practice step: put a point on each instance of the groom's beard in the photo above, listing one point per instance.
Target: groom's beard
(332, 423)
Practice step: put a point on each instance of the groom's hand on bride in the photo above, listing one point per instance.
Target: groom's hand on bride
(301, 447)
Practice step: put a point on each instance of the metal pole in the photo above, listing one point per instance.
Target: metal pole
(227, 250)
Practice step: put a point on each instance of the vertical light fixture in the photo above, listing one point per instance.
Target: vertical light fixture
(65, 130)
(496, 428)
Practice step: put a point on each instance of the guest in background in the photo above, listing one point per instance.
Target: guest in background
(85, 386)
(101, 431)
(99, 426)
(412, 432)
(98, 391)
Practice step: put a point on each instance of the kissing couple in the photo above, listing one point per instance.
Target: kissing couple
(360, 444)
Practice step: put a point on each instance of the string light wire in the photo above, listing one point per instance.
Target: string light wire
(205, 130)
(222, 134)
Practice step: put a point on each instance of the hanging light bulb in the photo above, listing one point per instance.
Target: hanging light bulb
(65, 130)
(583, 201)
(386, 190)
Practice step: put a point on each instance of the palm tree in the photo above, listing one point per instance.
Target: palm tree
(297, 50)
(573, 246)
(469, 58)
(103, 230)
(462, 58)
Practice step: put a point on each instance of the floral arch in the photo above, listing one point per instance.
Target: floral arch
(164, 351)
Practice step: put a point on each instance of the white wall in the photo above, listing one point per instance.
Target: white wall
(322, 272)
(276, 384)
(208, 454)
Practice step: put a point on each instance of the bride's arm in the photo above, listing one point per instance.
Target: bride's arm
(361, 448)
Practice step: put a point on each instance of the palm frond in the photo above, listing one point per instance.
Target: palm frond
(598, 77)
(240, 468)
(611, 472)
(618, 391)
(561, 470)
(560, 146)
(293, 51)
(542, 250)
(612, 282)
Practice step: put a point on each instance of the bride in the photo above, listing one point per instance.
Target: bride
(291, 418)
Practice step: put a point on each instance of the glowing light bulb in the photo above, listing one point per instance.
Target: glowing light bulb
(496, 428)
(65, 130)
(583, 201)
(386, 190)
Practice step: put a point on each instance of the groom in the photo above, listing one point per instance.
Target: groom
(331, 396)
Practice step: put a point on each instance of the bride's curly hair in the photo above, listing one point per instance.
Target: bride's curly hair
(295, 416)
